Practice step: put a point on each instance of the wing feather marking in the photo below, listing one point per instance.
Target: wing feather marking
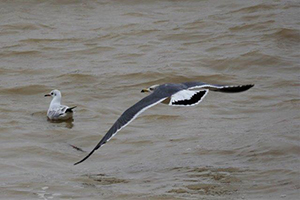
(188, 98)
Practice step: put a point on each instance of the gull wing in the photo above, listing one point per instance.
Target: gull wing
(57, 113)
(218, 88)
(128, 116)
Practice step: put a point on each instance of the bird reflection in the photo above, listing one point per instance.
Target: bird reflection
(68, 123)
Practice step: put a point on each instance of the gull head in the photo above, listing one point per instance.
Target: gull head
(150, 89)
(53, 93)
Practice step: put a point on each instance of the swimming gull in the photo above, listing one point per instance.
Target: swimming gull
(183, 94)
(57, 111)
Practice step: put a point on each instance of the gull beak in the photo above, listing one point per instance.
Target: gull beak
(47, 95)
(145, 90)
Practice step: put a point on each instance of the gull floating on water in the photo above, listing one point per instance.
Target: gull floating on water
(183, 94)
(57, 111)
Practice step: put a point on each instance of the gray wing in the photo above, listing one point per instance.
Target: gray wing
(52, 114)
(218, 88)
(58, 112)
(129, 115)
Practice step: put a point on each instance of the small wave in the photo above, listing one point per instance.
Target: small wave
(255, 8)
(255, 26)
(184, 37)
(259, 58)
(268, 154)
(88, 51)
(128, 56)
(78, 77)
(161, 117)
(103, 179)
(19, 53)
(287, 34)
(253, 59)
(25, 90)
(49, 40)
(22, 71)
(208, 181)
(135, 14)
(20, 26)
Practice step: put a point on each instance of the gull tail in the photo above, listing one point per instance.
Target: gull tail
(70, 109)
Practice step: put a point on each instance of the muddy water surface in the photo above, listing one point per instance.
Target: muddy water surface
(101, 54)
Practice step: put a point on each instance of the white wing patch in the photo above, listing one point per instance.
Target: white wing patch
(187, 97)
(207, 86)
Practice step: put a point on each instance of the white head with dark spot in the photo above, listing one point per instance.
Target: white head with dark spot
(53, 93)
(56, 96)
(150, 89)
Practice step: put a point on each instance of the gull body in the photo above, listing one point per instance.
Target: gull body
(182, 94)
(56, 111)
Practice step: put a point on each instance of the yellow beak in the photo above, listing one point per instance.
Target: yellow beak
(145, 90)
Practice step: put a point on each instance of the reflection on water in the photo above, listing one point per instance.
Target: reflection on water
(67, 123)
(77, 148)
(42, 116)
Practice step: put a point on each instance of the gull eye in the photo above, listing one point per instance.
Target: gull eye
(51, 93)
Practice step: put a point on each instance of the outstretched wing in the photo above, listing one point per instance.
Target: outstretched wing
(129, 115)
(218, 88)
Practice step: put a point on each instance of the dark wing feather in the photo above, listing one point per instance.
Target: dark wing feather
(218, 88)
(234, 89)
(70, 109)
(129, 115)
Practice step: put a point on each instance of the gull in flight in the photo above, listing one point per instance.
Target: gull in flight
(57, 111)
(183, 94)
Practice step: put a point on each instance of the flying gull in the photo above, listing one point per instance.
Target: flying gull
(57, 111)
(183, 94)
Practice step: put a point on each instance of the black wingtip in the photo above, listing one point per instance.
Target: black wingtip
(102, 142)
(247, 87)
(85, 157)
(71, 109)
(235, 89)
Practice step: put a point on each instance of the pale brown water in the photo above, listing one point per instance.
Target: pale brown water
(101, 54)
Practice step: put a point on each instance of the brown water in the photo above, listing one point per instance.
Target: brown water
(101, 54)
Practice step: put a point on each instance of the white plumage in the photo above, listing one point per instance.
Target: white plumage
(57, 111)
